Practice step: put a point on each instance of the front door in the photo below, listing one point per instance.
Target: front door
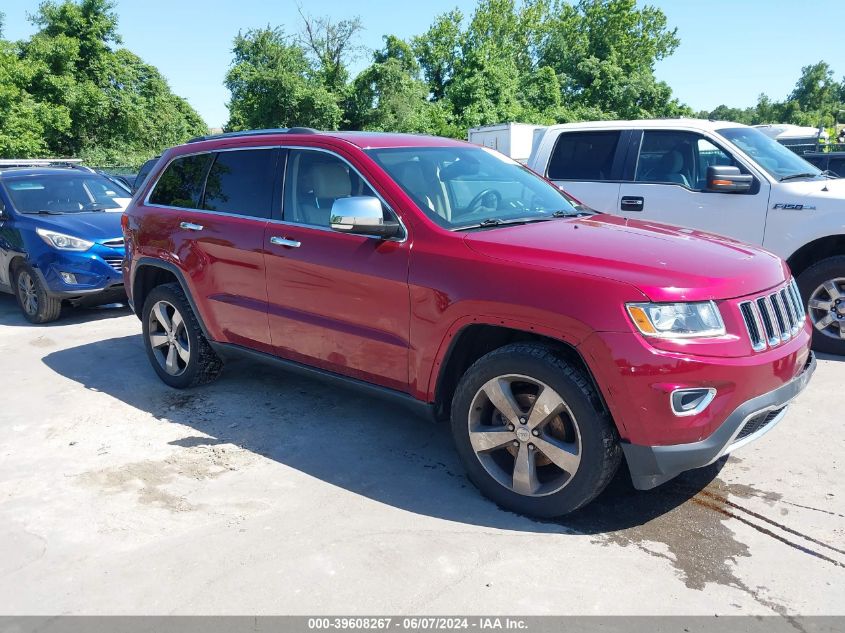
(670, 185)
(336, 301)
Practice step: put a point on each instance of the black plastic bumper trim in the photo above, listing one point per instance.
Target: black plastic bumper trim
(651, 466)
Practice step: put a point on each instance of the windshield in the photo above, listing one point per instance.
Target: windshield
(65, 193)
(463, 187)
(776, 159)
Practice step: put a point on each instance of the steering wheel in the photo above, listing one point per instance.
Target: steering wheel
(471, 207)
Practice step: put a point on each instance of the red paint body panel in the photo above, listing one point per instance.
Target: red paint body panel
(387, 312)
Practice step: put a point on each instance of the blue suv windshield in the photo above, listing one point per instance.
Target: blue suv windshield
(65, 193)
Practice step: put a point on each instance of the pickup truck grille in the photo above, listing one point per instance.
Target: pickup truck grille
(774, 318)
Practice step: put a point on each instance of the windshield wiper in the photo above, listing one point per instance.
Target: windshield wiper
(571, 214)
(793, 176)
(44, 212)
(499, 222)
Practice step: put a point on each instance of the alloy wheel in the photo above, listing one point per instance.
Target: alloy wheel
(827, 308)
(28, 293)
(525, 435)
(169, 338)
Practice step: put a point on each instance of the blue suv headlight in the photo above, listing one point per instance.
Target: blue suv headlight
(63, 242)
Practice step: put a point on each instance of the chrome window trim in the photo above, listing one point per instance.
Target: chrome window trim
(147, 202)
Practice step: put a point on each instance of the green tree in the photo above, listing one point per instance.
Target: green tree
(273, 84)
(68, 91)
(604, 52)
(390, 96)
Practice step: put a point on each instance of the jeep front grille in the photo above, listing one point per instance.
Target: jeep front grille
(773, 319)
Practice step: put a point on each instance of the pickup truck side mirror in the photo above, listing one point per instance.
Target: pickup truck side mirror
(364, 215)
(726, 179)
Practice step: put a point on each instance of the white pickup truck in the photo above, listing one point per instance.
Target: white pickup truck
(715, 176)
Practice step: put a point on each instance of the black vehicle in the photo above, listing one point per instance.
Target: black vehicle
(833, 162)
(145, 170)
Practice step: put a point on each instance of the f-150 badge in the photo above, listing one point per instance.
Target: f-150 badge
(794, 207)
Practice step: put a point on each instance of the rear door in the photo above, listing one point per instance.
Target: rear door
(336, 301)
(669, 184)
(215, 207)
(588, 165)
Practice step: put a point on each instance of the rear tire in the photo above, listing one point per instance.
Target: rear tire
(546, 447)
(37, 306)
(176, 346)
(823, 284)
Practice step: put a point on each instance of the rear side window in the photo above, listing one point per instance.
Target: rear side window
(583, 156)
(241, 182)
(181, 183)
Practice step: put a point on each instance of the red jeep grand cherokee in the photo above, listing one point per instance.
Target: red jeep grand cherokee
(448, 276)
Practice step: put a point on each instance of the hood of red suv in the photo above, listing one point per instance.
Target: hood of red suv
(667, 263)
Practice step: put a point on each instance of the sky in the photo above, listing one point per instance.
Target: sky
(730, 51)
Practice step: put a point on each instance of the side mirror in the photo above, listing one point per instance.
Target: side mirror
(364, 215)
(726, 179)
(3, 214)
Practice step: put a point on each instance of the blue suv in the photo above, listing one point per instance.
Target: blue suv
(60, 238)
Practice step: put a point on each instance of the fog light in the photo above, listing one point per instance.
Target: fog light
(68, 278)
(691, 401)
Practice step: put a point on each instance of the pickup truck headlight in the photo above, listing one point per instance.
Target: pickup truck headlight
(64, 242)
(677, 320)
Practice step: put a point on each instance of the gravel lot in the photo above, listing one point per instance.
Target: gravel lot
(268, 493)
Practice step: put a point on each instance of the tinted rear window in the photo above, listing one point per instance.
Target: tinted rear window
(241, 182)
(181, 183)
(583, 156)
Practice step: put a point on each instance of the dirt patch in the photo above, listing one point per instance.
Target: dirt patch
(149, 478)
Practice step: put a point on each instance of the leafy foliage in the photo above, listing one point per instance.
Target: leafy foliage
(817, 100)
(68, 91)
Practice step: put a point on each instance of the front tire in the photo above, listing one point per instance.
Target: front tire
(37, 306)
(178, 350)
(822, 288)
(531, 432)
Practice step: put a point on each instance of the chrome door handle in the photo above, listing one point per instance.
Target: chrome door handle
(281, 241)
(190, 226)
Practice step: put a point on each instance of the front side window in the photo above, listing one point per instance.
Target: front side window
(678, 157)
(241, 182)
(781, 163)
(461, 187)
(65, 193)
(182, 182)
(313, 181)
(583, 156)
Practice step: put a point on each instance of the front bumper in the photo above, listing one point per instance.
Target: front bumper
(99, 275)
(651, 466)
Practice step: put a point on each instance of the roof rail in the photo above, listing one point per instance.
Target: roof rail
(6, 163)
(277, 130)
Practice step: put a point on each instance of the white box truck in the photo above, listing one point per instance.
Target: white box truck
(514, 140)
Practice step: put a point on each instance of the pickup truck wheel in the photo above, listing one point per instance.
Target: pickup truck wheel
(37, 306)
(175, 344)
(529, 430)
(823, 291)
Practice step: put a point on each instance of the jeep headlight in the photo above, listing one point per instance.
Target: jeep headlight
(677, 320)
(64, 242)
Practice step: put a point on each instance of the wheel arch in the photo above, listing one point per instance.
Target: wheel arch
(150, 273)
(474, 340)
(816, 251)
